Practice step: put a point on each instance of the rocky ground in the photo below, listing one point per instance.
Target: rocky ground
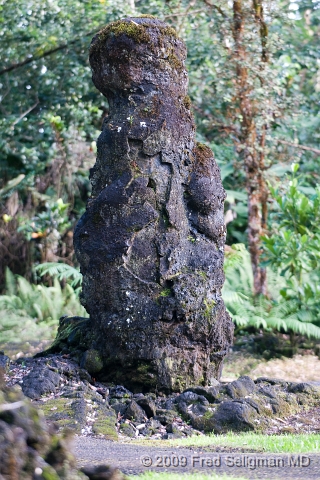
(32, 449)
(70, 397)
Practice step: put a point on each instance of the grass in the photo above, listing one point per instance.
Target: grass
(181, 476)
(301, 443)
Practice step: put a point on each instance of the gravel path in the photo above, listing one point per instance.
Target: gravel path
(134, 459)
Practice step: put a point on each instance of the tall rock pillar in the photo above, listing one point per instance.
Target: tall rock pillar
(151, 243)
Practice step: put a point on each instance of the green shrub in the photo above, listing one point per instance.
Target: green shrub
(272, 312)
(293, 248)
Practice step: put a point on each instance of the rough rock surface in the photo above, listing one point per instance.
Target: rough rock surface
(4, 361)
(31, 449)
(112, 411)
(151, 243)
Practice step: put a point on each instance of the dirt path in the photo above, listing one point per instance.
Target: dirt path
(134, 459)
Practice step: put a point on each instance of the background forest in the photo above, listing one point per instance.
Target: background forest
(254, 83)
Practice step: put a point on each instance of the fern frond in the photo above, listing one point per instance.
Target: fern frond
(60, 270)
(33, 312)
(10, 282)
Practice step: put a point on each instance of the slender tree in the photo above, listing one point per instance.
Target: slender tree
(253, 105)
(252, 138)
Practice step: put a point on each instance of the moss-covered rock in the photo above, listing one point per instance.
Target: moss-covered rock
(40, 381)
(304, 387)
(148, 406)
(29, 444)
(66, 412)
(72, 333)
(241, 387)
(102, 472)
(92, 361)
(128, 430)
(210, 393)
(229, 416)
(154, 296)
(105, 424)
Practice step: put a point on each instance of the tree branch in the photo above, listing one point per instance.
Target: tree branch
(216, 7)
(25, 113)
(181, 21)
(263, 28)
(183, 14)
(301, 147)
(14, 66)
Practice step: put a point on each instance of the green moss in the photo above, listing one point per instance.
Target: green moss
(105, 424)
(175, 62)
(187, 102)
(48, 473)
(92, 361)
(179, 382)
(144, 376)
(137, 32)
(202, 274)
(202, 146)
(204, 158)
(143, 368)
(127, 430)
(62, 412)
(71, 331)
(166, 292)
(168, 31)
(209, 306)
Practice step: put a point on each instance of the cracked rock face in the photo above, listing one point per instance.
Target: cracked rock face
(151, 242)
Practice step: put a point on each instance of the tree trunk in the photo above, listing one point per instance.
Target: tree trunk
(249, 139)
(151, 242)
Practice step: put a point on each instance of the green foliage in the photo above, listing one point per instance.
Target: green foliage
(61, 271)
(50, 117)
(268, 313)
(293, 248)
(52, 220)
(30, 312)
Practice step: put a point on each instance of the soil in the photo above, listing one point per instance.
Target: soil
(299, 368)
(302, 422)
